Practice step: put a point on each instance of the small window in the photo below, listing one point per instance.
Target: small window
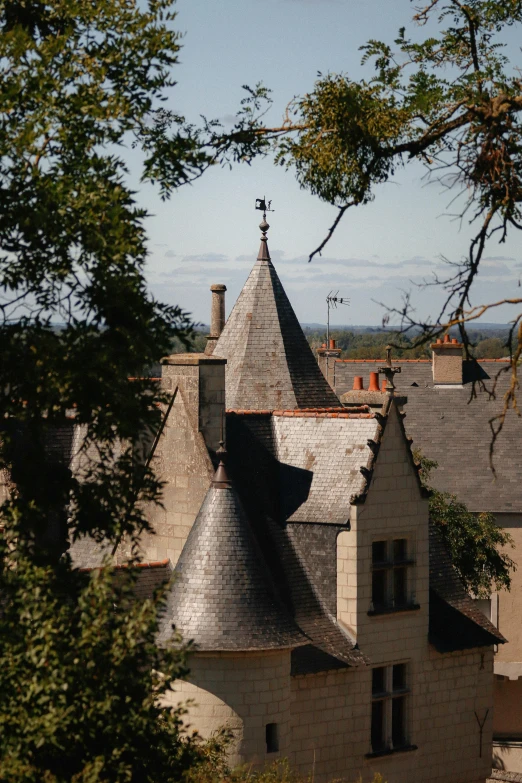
(379, 591)
(272, 737)
(378, 552)
(398, 721)
(399, 587)
(389, 707)
(378, 681)
(378, 737)
(399, 677)
(391, 575)
(400, 547)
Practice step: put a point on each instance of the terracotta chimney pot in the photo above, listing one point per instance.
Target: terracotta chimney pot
(374, 382)
(447, 338)
(455, 341)
(323, 345)
(332, 344)
(358, 383)
(383, 386)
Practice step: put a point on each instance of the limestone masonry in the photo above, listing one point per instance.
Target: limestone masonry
(329, 625)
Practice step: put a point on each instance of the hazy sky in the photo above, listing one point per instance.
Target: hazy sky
(207, 233)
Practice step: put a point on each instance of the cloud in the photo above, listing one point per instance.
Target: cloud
(204, 258)
(499, 258)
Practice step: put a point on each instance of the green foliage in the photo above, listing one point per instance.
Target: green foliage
(345, 123)
(443, 94)
(80, 82)
(475, 541)
(278, 772)
(80, 685)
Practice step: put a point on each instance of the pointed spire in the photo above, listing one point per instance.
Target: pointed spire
(222, 597)
(221, 479)
(269, 362)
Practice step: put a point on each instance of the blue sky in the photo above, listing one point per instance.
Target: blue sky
(208, 233)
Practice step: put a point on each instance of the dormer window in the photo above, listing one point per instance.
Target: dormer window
(392, 576)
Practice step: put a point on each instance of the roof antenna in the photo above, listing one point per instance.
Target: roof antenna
(332, 300)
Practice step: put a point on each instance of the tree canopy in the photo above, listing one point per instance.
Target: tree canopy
(81, 693)
(444, 94)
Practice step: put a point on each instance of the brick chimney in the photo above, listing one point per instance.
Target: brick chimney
(326, 356)
(447, 363)
(217, 316)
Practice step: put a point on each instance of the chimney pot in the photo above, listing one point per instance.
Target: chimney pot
(439, 340)
(374, 382)
(217, 316)
(323, 345)
(455, 341)
(358, 383)
(383, 386)
(332, 344)
(447, 338)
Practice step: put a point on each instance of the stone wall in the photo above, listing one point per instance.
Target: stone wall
(393, 509)
(242, 692)
(182, 459)
(331, 714)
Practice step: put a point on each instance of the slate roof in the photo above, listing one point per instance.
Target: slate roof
(455, 621)
(301, 556)
(269, 362)
(221, 597)
(453, 429)
(317, 460)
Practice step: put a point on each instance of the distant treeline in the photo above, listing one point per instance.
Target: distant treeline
(490, 344)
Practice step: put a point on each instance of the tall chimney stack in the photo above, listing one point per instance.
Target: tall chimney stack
(447, 362)
(217, 316)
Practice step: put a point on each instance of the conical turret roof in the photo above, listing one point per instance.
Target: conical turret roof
(269, 362)
(221, 596)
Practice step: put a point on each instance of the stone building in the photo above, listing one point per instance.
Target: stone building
(329, 624)
(454, 430)
(330, 627)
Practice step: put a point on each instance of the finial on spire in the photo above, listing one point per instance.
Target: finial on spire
(221, 480)
(264, 205)
(389, 371)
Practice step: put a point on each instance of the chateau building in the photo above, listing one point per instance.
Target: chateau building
(449, 404)
(329, 625)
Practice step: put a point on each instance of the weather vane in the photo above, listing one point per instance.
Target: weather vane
(332, 300)
(264, 206)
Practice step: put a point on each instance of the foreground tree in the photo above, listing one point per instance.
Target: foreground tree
(447, 98)
(80, 699)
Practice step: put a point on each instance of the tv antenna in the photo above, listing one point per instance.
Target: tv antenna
(332, 300)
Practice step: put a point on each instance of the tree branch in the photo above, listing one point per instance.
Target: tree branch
(331, 230)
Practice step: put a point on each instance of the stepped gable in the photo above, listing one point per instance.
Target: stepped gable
(221, 597)
(269, 362)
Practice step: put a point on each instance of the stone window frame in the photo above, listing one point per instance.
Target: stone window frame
(388, 566)
(391, 693)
